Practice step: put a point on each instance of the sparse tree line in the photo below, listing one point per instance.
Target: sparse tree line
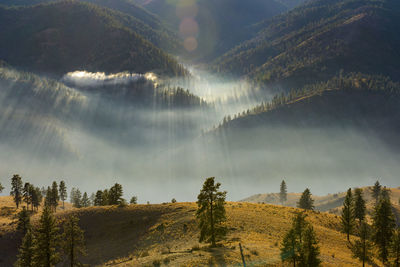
(383, 234)
(43, 246)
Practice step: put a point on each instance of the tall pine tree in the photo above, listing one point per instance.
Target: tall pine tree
(362, 248)
(211, 212)
(347, 217)
(16, 189)
(63, 192)
(359, 205)
(25, 252)
(73, 241)
(283, 192)
(46, 241)
(383, 225)
(376, 191)
(306, 202)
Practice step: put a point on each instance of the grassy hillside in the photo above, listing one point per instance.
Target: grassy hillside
(317, 40)
(66, 36)
(138, 235)
(330, 202)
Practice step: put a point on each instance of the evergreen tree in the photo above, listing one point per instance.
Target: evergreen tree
(105, 198)
(98, 201)
(1, 188)
(115, 195)
(309, 255)
(306, 202)
(385, 193)
(395, 248)
(85, 202)
(359, 205)
(46, 241)
(362, 248)
(54, 196)
(76, 197)
(24, 221)
(211, 212)
(290, 247)
(73, 241)
(25, 252)
(133, 200)
(16, 189)
(283, 192)
(347, 217)
(63, 192)
(376, 191)
(47, 200)
(300, 245)
(383, 225)
(37, 198)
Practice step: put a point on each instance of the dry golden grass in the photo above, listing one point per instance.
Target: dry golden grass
(138, 235)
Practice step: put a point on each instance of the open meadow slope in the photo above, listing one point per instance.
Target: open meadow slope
(139, 235)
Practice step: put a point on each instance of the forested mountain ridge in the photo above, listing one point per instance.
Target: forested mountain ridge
(315, 41)
(139, 20)
(59, 37)
(220, 24)
(338, 99)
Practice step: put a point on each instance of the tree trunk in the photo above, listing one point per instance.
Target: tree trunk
(212, 222)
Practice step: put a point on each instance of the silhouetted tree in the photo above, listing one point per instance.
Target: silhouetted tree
(347, 217)
(46, 240)
(27, 193)
(1, 188)
(63, 192)
(211, 212)
(359, 205)
(24, 220)
(306, 202)
(395, 248)
(54, 196)
(376, 191)
(85, 200)
(37, 198)
(98, 201)
(173, 200)
(133, 200)
(115, 195)
(16, 189)
(25, 252)
(283, 192)
(73, 241)
(383, 225)
(362, 248)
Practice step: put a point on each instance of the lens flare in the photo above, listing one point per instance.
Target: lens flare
(190, 44)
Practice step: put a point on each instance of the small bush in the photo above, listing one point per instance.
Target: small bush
(166, 261)
(156, 263)
(195, 247)
(254, 252)
(173, 200)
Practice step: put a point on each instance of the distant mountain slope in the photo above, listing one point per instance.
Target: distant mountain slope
(317, 40)
(330, 202)
(140, 20)
(367, 103)
(66, 36)
(221, 24)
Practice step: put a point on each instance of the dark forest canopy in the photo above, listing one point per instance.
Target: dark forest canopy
(317, 40)
(59, 37)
